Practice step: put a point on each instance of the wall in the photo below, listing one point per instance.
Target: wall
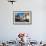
(9, 31)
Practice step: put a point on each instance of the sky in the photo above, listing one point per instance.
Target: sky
(20, 14)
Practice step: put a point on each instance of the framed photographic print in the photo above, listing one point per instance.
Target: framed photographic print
(22, 17)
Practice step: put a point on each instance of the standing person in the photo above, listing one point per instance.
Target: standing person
(27, 17)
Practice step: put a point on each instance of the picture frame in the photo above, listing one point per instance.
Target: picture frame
(22, 17)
